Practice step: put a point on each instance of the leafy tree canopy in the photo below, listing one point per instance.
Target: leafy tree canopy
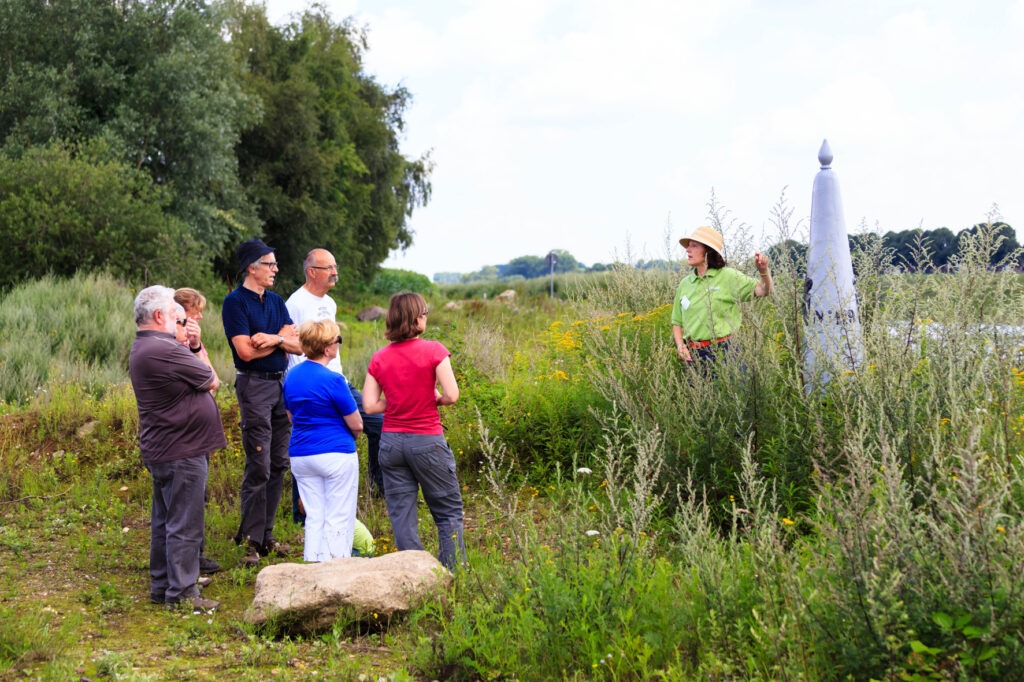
(239, 127)
(323, 165)
(62, 213)
(153, 79)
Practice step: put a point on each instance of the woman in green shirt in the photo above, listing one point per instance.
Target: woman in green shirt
(706, 309)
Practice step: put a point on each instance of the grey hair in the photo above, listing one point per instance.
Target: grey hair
(150, 300)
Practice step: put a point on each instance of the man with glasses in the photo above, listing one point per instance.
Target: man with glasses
(179, 425)
(261, 334)
(311, 302)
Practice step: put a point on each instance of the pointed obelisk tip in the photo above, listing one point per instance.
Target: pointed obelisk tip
(825, 155)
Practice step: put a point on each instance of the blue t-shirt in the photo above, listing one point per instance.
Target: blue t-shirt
(318, 399)
(246, 313)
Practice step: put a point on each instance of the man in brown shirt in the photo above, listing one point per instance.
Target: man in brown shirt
(179, 425)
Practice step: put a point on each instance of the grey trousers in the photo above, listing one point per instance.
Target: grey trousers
(176, 527)
(410, 461)
(266, 430)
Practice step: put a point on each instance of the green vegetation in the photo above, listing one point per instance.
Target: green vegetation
(141, 135)
(626, 518)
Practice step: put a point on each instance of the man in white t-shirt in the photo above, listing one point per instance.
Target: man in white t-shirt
(311, 302)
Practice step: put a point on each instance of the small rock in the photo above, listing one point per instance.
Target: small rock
(374, 312)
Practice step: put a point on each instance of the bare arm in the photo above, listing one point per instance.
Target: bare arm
(195, 345)
(373, 401)
(765, 286)
(446, 378)
(681, 350)
(261, 344)
(354, 423)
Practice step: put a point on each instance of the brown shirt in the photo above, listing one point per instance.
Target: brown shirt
(178, 416)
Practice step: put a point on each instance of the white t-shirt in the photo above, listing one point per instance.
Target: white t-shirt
(302, 306)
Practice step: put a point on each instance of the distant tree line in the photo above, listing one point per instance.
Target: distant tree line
(914, 250)
(919, 250)
(525, 267)
(149, 137)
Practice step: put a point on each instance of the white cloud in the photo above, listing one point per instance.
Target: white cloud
(574, 123)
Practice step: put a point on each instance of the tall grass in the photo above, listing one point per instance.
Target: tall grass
(871, 528)
(78, 330)
(641, 520)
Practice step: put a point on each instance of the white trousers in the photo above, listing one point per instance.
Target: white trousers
(328, 485)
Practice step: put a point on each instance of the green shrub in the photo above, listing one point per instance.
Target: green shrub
(64, 212)
(388, 281)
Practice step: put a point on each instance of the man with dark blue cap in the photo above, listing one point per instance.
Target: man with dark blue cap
(261, 334)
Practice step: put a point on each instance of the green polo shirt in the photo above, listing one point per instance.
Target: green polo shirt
(708, 307)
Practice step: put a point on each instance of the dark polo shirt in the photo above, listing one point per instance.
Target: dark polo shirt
(246, 313)
(178, 416)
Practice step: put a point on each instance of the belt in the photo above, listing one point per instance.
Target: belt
(707, 342)
(269, 376)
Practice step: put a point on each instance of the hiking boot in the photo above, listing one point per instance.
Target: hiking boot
(208, 565)
(204, 581)
(277, 549)
(252, 559)
(194, 604)
(155, 598)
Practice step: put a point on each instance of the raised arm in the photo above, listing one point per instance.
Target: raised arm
(765, 285)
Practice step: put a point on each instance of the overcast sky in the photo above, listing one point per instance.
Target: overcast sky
(591, 125)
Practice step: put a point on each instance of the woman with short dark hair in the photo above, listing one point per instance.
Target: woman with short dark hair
(706, 310)
(402, 382)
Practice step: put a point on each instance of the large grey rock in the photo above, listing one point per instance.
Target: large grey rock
(307, 598)
(374, 312)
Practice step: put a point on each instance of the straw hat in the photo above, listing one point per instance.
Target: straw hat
(707, 236)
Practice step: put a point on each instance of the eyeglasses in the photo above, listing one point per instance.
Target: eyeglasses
(181, 323)
(270, 264)
(424, 313)
(338, 340)
(324, 267)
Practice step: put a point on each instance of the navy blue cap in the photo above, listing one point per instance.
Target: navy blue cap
(250, 251)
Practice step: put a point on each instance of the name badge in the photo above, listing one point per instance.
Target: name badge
(684, 303)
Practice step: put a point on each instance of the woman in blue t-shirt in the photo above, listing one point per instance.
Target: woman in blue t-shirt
(325, 425)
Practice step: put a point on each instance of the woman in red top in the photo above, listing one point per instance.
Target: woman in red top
(402, 382)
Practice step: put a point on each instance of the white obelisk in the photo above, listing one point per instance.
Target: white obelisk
(833, 334)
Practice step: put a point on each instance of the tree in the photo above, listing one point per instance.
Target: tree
(566, 261)
(526, 266)
(323, 166)
(62, 212)
(1003, 240)
(153, 79)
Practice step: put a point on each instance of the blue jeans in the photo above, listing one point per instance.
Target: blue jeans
(176, 527)
(412, 461)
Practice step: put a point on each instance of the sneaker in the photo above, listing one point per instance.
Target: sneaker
(204, 581)
(251, 559)
(195, 604)
(208, 565)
